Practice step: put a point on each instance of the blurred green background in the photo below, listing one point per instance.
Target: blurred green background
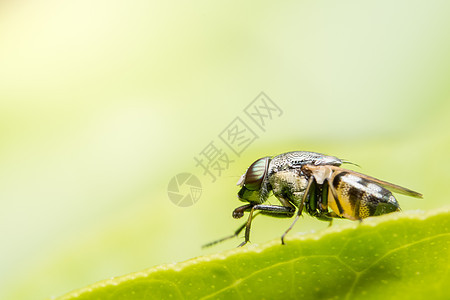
(103, 102)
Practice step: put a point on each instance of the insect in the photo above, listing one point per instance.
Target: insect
(312, 183)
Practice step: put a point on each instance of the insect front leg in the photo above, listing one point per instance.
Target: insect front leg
(235, 234)
(272, 210)
(237, 214)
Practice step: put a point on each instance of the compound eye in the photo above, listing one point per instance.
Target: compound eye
(255, 174)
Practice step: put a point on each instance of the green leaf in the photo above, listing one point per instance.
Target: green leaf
(398, 256)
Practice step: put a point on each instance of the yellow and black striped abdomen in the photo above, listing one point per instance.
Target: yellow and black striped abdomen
(359, 198)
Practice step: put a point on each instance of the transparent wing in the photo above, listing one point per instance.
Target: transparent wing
(390, 186)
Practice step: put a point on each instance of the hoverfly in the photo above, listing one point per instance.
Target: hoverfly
(313, 183)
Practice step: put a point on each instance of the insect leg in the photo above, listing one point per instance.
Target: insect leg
(235, 234)
(239, 212)
(274, 210)
(300, 208)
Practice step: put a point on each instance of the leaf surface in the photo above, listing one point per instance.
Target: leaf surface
(398, 256)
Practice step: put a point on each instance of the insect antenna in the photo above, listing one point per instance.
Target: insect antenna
(344, 161)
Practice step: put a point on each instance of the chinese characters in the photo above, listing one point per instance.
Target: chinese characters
(237, 136)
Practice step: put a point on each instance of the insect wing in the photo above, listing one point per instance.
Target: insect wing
(390, 186)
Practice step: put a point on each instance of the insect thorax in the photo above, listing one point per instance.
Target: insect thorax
(289, 184)
(297, 159)
(285, 175)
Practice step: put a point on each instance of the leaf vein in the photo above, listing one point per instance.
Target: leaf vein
(240, 280)
(387, 254)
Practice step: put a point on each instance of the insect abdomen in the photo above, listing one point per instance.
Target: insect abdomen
(359, 198)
